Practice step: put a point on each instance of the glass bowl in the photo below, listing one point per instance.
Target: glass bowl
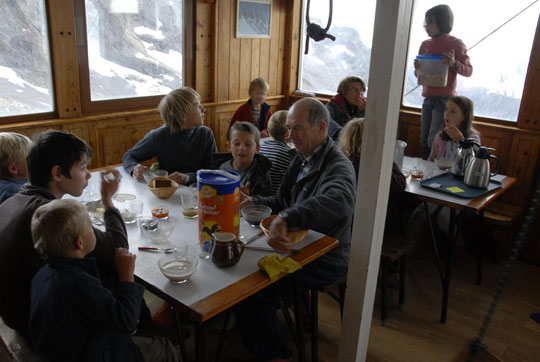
(157, 230)
(178, 267)
(151, 174)
(443, 164)
(254, 214)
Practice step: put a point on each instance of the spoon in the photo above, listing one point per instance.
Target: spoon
(151, 248)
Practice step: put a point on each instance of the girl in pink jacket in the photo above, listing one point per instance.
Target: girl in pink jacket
(438, 24)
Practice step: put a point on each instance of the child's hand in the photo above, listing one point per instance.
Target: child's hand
(138, 171)
(179, 178)
(449, 58)
(110, 180)
(125, 264)
(454, 133)
(264, 133)
(245, 189)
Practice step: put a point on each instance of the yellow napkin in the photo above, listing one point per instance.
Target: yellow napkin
(273, 265)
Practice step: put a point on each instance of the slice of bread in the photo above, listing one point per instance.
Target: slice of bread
(162, 183)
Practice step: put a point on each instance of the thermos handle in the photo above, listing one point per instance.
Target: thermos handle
(498, 165)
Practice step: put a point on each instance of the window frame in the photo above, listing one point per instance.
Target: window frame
(28, 117)
(133, 103)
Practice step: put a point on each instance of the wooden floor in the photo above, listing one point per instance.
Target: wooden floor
(414, 333)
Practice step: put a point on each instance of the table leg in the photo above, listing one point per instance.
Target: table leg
(299, 320)
(199, 342)
(178, 325)
(453, 231)
(454, 226)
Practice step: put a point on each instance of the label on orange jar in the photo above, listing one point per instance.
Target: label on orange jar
(219, 205)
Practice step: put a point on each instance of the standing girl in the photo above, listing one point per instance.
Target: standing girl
(458, 117)
(438, 24)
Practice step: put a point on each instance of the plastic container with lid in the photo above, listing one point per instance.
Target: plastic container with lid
(432, 71)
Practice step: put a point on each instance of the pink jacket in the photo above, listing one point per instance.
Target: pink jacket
(442, 44)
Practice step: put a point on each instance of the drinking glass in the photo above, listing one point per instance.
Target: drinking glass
(136, 206)
(189, 206)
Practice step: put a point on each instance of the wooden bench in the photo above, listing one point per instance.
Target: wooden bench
(18, 347)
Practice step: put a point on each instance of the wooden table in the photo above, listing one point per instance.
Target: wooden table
(475, 206)
(210, 290)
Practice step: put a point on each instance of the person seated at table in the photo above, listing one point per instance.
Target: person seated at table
(57, 165)
(350, 142)
(255, 111)
(276, 150)
(243, 158)
(182, 145)
(317, 193)
(69, 302)
(13, 171)
(458, 118)
(349, 103)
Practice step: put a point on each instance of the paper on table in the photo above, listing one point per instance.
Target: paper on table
(261, 243)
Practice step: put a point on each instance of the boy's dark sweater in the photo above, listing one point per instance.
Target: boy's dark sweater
(19, 261)
(257, 174)
(69, 304)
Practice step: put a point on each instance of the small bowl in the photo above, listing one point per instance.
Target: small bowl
(128, 216)
(443, 164)
(160, 212)
(163, 192)
(178, 267)
(151, 174)
(294, 236)
(254, 214)
(157, 232)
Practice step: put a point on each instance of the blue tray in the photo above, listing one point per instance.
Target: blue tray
(447, 180)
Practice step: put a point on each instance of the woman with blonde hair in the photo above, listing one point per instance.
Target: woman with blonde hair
(350, 141)
(182, 145)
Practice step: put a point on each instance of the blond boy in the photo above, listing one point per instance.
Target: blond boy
(256, 111)
(13, 171)
(68, 301)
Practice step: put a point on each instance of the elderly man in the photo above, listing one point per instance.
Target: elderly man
(317, 193)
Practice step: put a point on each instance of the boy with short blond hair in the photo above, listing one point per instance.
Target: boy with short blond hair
(243, 145)
(256, 111)
(70, 304)
(276, 150)
(13, 171)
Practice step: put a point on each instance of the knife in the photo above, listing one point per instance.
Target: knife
(253, 237)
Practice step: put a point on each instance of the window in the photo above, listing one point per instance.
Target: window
(328, 62)
(499, 62)
(26, 85)
(132, 52)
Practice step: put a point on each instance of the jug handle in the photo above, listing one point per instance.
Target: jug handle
(240, 246)
(498, 165)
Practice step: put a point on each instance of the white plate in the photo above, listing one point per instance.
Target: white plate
(124, 197)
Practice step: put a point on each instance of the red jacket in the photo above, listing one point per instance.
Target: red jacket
(243, 114)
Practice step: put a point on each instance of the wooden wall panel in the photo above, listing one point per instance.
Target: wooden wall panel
(224, 31)
(204, 42)
(234, 57)
(255, 58)
(244, 72)
(274, 49)
(524, 155)
(64, 54)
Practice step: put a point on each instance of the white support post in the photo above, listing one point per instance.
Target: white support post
(389, 51)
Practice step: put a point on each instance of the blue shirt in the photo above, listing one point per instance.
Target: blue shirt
(9, 187)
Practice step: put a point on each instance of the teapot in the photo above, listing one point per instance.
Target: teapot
(227, 249)
(478, 171)
(464, 155)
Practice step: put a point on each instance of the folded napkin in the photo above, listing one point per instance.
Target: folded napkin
(273, 265)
